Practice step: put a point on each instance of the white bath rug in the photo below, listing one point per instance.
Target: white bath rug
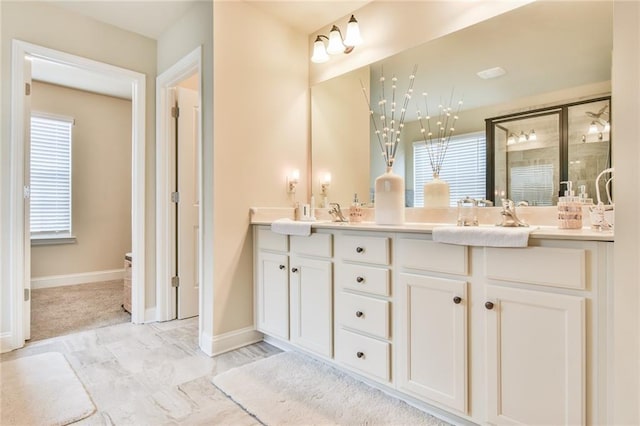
(290, 388)
(42, 390)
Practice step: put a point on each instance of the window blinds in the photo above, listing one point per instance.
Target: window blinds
(50, 175)
(464, 168)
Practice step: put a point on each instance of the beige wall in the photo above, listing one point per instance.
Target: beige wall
(625, 108)
(45, 25)
(101, 182)
(261, 130)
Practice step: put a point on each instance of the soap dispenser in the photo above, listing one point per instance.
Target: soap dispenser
(355, 211)
(569, 209)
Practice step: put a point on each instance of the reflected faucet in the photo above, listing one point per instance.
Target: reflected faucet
(336, 213)
(509, 217)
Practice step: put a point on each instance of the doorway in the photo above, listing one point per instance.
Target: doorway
(20, 247)
(179, 177)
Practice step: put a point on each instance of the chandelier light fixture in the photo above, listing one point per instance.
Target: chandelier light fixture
(335, 43)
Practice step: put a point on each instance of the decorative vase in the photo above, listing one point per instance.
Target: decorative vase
(389, 199)
(436, 193)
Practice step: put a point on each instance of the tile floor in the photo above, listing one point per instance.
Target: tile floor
(152, 374)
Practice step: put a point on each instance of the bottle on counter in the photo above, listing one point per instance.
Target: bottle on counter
(355, 211)
(569, 209)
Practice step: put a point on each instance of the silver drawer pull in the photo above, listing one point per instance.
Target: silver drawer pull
(360, 279)
(360, 355)
(359, 249)
(359, 314)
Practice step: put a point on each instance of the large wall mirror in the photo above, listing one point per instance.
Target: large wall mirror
(553, 53)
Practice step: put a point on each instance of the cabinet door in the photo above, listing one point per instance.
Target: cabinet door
(432, 352)
(535, 357)
(311, 305)
(272, 307)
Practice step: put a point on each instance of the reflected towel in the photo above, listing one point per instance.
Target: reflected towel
(291, 227)
(495, 236)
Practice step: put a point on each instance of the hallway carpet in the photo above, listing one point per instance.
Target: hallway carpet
(58, 311)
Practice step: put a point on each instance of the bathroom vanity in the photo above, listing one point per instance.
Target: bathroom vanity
(479, 334)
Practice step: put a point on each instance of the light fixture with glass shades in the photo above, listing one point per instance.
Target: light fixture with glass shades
(522, 137)
(336, 44)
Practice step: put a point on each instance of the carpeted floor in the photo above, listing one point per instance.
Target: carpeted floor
(62, 310)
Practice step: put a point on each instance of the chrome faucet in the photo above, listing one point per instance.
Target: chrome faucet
(336, 213)
(509, 217)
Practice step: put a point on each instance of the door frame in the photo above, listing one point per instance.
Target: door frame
(165, 83)
(16, 253)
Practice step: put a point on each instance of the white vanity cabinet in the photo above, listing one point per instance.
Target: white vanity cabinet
(431, 315)
(488, 335)
(363, 306)
(272, 283)
(312, 293)
(537, 331)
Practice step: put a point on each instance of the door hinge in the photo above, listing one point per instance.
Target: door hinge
(175, 112)
(175, 197)
(175, 281)
(27, 89)
(27, 294)
(26, 192)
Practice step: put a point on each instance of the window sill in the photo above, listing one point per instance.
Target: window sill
(54, 240)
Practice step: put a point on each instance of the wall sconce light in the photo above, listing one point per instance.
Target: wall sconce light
(523, 137)
(335, 43)
(292, 181)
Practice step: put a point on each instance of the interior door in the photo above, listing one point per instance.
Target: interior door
(27, 201)
(188, 206)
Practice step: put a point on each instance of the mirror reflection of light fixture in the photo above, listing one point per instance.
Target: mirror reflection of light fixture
(522, 137)
(335, 43)
(593, 128)
(325, 181)
(292, 181)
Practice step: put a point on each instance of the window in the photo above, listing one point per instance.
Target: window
(464, 168)
(50, 176)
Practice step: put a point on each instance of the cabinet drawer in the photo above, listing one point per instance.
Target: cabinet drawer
(363, 249)
(550, 266)
(268, 240)
(363, 313)
(367, 279)
(427, 255)
(363, 353)
(313, 245)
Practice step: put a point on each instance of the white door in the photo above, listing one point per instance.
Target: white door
(26, 318)
(273, 294)
(535, 357)
(311, 305)
(432, 341)
(187, 186)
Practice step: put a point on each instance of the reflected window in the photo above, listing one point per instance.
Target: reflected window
(464, 168)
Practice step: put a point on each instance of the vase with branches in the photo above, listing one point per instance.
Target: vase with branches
(436, 137)
(387, 118)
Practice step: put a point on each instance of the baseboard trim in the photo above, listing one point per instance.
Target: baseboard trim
(219, 344)
(6, 342)
(73, 279)
(150, 315)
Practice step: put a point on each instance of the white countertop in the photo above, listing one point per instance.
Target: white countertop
(546, 232)
(418, 222)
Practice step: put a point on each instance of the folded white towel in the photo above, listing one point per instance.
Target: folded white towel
(291, 227)
(483, 236)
